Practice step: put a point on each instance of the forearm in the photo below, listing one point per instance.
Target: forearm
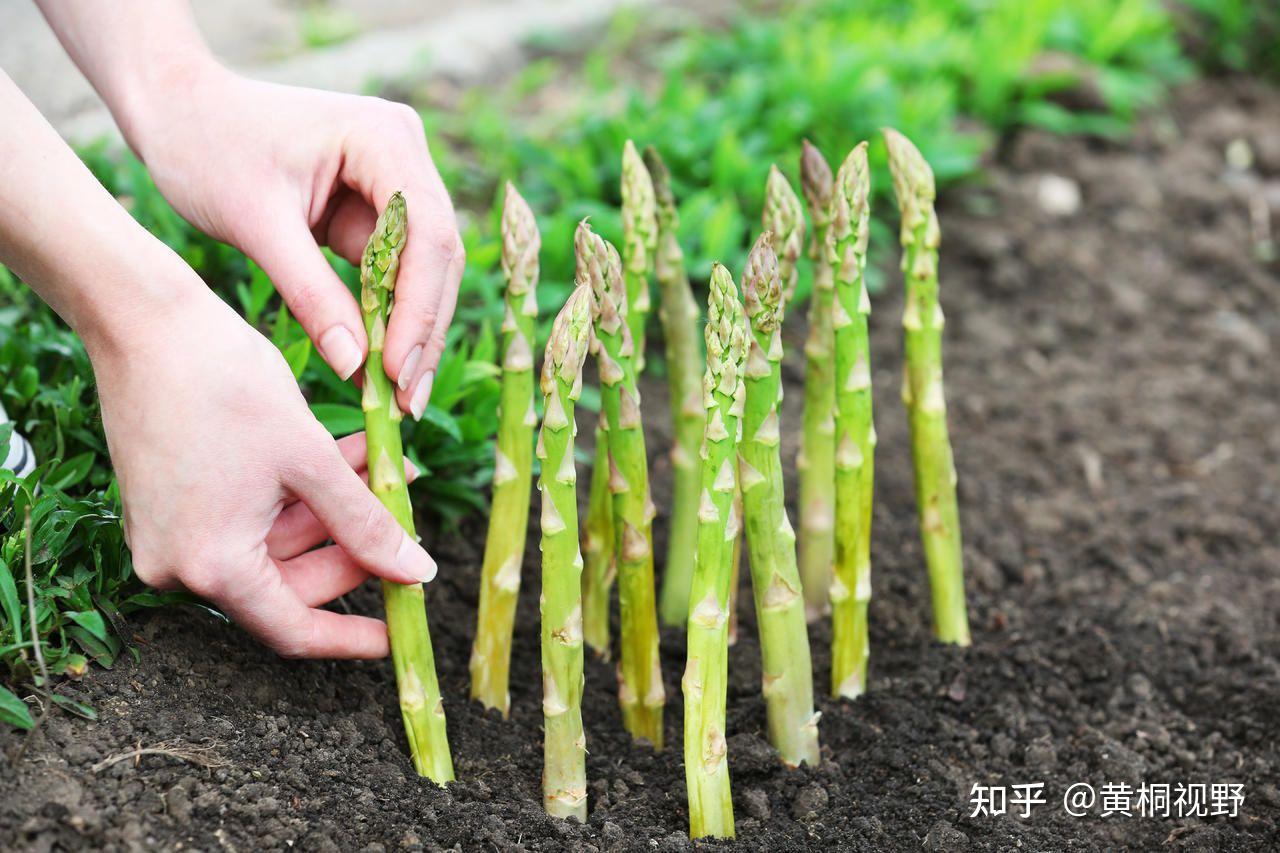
(136, 54)
(68, 239)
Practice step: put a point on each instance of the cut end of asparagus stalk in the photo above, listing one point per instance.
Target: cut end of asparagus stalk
(784, 217)
(761, 287)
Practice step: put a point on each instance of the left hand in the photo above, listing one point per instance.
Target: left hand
(279, 171)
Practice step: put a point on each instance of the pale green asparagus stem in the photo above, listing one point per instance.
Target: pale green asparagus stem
(706, 674)
(600, 571)
(564, 775)
(640, 690)
(922, 390)
(816, 437)
(678, 312)
(639, 242)
(855, 430)
(421, 705)
(771, 541)
(513, 460)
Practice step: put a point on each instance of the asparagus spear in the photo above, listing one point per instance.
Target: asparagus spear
(564, 775)
(783, 217)
(855, 430)
(421, 705)
(512, 475)
(600, 571)
(817, 447)
(640, 691)
(775, 580)
(678, 312)
(639, 241)
(922, 391)
(706, 672)
(640, 230)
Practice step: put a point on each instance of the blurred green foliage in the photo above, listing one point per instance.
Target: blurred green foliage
(1234, 35)
(721, 102)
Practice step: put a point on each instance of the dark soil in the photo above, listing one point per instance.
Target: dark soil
(1115, 407)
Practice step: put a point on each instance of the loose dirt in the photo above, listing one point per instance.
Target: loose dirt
(1115, 408)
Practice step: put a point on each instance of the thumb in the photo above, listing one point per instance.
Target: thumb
(358, 522)
(314, 293)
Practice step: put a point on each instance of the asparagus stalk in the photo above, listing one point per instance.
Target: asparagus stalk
(771, 541)
(564, 775)
(639, 242)
(922, 390)
(421, 705)
(640, 690)
(707, 669)
(640, 234)
(600, 571)
(855, 430)
(784, 217)
(678, 312)
(513, 464)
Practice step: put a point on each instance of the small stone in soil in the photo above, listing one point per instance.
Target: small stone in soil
(945, 838)
(811, 800)
(756, 803)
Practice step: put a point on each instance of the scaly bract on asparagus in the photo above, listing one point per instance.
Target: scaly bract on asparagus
(564, 775)
(639, 242)
(855, 430)
(922, 390)
(678, 312)
(513, 460)
(771, 541)
(640, 690)
(706, 674)
(421, 705)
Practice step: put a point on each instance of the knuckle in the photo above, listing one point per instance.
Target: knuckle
(378, 534)
(406, 115)
(151, 570)
(445, 240)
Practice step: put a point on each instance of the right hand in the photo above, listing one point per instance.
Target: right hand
(227, 480)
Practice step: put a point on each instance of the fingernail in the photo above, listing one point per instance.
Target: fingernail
(410, 365)
(414, 561)
(421, 394)
(340, 350)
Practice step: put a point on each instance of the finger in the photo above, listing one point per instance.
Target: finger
(350, 226)
(357, 521)
(417, 392)
(320, 576)
(289, 255)
(296, 529)
(396, 157)
(257, 598)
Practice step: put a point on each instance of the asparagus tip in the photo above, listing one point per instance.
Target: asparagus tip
(815, 181)
(762, 295)
(912, 177)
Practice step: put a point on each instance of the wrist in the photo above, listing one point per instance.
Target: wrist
(149, 95)
(135, 294)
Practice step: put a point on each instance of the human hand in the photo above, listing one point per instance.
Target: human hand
(279, 171)
(228, 479)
